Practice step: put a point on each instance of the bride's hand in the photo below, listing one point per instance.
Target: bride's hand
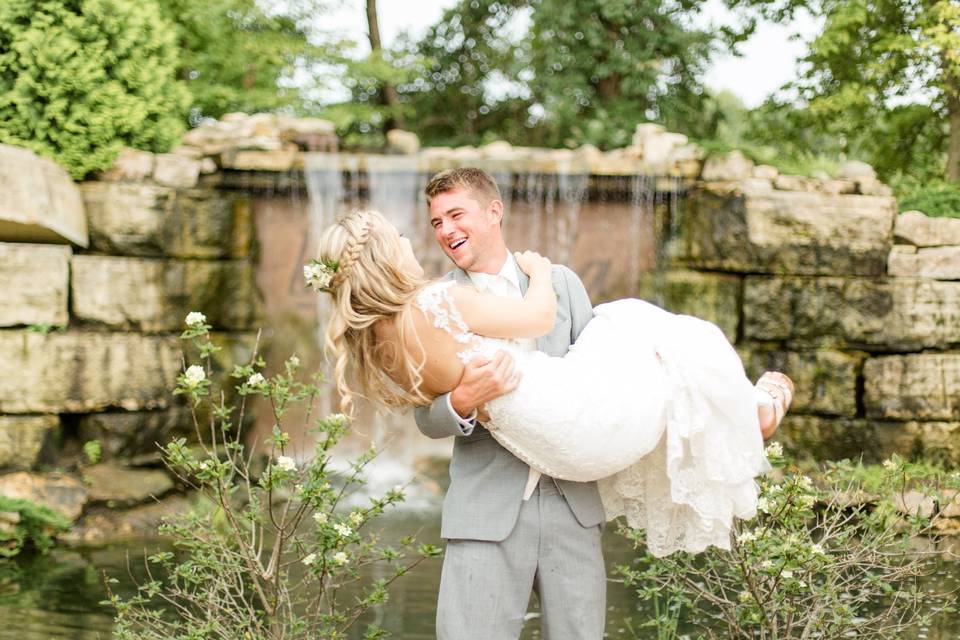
(532, 263)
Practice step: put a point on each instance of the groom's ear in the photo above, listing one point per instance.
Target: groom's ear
(495, 211)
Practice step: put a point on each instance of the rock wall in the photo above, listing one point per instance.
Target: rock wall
(824, 280)
(96, 279)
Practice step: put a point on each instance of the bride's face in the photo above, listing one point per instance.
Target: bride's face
(408, 260)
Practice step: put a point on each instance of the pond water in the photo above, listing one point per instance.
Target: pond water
(58, 596)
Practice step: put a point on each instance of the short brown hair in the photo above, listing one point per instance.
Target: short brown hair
(477, 181)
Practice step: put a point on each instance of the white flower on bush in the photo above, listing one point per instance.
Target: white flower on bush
(195, 319)
(746, 536)
(766, 565)
(356, 518)
(255, 380)
(343, 530)
(309, 559)
(340, 558)
(320, 518)
(745, 596)
(787, 574)
(294, 361)
(194, 376)
(889, 465)
(286, 463)
(774, 449)
(817, 549)
(338, 418)
(763, 505)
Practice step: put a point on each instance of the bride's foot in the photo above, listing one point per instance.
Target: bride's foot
(776, 391)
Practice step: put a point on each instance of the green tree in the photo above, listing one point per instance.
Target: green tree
(584, 72)
(80, 79)
(242, 55)
(882, 79)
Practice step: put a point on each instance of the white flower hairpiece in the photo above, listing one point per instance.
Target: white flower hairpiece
(319, 273)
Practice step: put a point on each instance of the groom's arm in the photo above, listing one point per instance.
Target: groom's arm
(455, 413)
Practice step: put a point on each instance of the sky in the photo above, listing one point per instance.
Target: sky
(768, 61)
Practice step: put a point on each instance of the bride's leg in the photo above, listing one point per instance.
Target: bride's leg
(777, 390)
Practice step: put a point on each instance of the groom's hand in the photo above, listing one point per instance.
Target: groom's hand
(482, 381)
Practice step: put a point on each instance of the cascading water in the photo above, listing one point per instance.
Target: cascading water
(544, 212)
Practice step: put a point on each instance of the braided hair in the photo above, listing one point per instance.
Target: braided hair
(370, 286)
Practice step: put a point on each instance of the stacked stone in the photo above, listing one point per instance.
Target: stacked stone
(89, 333)
(795, 271)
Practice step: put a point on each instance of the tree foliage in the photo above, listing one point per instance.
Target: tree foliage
(880, 81)
(555, 73)
(242, 55)
(80, 79)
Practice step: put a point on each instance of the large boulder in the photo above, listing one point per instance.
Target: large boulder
(922, 386)
(826, 381)
(133, 433)
(24, 438)
(59, 492)
(939, 263)
(120, 486)
(896, 314)
(40, 201)
(33, 282)
(143, 220)
(739, 229)
(156, 295)
(77, 372)
(710, 296)
(916, 228)
(726, 168)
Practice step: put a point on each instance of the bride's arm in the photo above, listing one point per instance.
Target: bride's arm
(499, 317)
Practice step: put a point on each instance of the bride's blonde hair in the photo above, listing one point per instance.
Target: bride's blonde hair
(368, 286)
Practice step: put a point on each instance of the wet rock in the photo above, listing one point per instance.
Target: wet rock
(156, 295)
(820, 438)
(923, 386)
(33, 282)
(132, 165)
(403, 142)
(24, 438)
(120, 486)
(144, 220)
(826, 381)
(79, 372)
(730, 167)
(760, 231)
(40, 202)
(938, 263)
(896, 314)
(916, 228)
(710, 296)
(175, 170)
(105, 526)
(61, 493)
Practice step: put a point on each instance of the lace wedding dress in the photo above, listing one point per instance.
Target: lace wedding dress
(655, 406)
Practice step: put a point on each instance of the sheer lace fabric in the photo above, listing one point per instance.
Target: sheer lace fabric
(654, 405)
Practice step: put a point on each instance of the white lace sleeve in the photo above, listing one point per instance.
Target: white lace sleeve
(435, 300)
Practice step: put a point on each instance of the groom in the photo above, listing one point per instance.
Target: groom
(508, 529)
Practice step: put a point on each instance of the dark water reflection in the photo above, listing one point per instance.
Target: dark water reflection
(58, 596)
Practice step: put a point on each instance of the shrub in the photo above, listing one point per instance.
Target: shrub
(36, 527)
(80, 79)
(839, 560)
(269, 547)
(937, 200)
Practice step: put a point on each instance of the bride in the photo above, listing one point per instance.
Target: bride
(675, 426)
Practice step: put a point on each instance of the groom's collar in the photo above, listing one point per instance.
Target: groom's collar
(520, 278)
(509, 270)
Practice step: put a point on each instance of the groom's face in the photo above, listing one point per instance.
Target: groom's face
(468, 231)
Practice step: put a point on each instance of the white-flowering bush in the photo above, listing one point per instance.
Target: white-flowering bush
(232, 575)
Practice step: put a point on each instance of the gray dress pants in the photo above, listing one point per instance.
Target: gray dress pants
(485, 586)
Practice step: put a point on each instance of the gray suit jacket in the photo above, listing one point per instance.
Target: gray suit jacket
(486, 480)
